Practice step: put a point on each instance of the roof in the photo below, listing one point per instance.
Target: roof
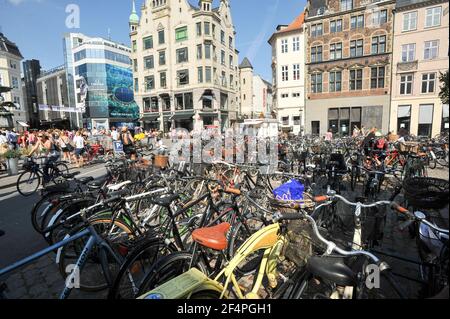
(405, 3)
(8, 46)
(245, 64)
(134, 18)
(297, 24)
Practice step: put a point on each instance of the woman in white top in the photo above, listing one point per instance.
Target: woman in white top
(78, 140)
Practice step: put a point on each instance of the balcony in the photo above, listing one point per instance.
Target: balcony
(407, 66)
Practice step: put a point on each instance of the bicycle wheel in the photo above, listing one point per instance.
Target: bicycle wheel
(92, 276)
(61, 168)
(137, 263)
(28, 183)
(166, 269)
(42, 208)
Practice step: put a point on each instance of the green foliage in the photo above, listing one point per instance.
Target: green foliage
(444, 78)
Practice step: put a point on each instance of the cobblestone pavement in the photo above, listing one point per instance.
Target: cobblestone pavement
(42, 280)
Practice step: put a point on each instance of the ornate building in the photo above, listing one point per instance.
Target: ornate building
(185, 64)
(349, 57)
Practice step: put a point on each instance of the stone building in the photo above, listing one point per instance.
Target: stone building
(349, 57)
(185, 64)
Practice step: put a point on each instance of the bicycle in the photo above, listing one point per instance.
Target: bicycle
(29, 181)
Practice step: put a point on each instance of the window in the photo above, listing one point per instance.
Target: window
(162, 57)
(425, 119)
(149, 62)
(336, 26)
(379, 44)
(406, 84)
(410, 21)
(316, 30)
(163, 80)
(199, 52)
(336, 81)
(136, 85)
(408, 52)
(285, 120)
(335, 51)
(346, 5)
(149, 83)
(296, 44)
(15, 82)
(208, 74)
(148, 43)
(377, 75)
(357, 22)
(223, 79)
(296, 94)
(356, 48)
(379, 17)
(200, 74)
(230, 43)
(182, 55)
(213, 31)
(134, 45)
(316, 83)
(183, 77)
(285, 73)
(207, 51)
(316, 54)
(356, 79)
(231, 61)
(428, 82)
(161, 37)
(222, 36)
(433, 17)
(297, 120)
(296, 68)
(431, 50)
(181, 34)
(135, 65)
(198, 26)
(445, 118)
(231, 81)
(404, 118)
(222, 57)
(284, 46)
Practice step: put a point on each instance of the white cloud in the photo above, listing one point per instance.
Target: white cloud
(18, 2)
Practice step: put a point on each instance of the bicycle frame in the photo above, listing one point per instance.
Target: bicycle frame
(94, 239)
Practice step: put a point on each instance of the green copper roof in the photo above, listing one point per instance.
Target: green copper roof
(134, 18)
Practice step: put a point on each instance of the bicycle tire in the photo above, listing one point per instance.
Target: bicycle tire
(34, 176)
(36, 212)
(116, 291)
(63, 261)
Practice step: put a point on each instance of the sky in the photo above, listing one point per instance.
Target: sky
(37, 26)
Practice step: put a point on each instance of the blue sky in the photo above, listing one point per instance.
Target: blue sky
(37, 26)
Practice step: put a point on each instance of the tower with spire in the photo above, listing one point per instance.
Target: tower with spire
(134, 19)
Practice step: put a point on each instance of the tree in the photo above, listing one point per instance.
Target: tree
(444, 78)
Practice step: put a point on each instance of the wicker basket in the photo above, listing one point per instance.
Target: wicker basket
(426, 193)
(161, 161)
(409, 147)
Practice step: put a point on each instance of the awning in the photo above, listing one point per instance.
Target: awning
(404, 111)
(182, 116)
(255, 122)
(22, 124)
(150, 117)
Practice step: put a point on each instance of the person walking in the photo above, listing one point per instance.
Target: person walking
(128, 143)
(13, 138)
(79, 149)
(329, 135)
(66, 147)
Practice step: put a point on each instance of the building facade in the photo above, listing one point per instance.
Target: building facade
(53, 98)
(255, 93)
(31, 71)
(185, 64)
(349, 62)
(421, 52)
(10, 76)
(288, 74)
(100, 82)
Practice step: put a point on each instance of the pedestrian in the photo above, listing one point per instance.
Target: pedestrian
(47, 146)
(12, 138)
(356, 131)
(329, 135)
(114, 134)
(79, 149)
(128, 143)
(66, 147)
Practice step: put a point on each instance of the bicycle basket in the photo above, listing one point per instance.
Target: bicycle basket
(29, 165)
(301, 243)
(426, 192)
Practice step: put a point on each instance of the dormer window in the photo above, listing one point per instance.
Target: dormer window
(159, 3)
(206, 6)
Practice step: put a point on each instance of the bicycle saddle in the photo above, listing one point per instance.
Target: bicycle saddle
(332, 269)
(93, 185)
(71, 175)
(85, 180)
(166, 200)
(212, 237)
